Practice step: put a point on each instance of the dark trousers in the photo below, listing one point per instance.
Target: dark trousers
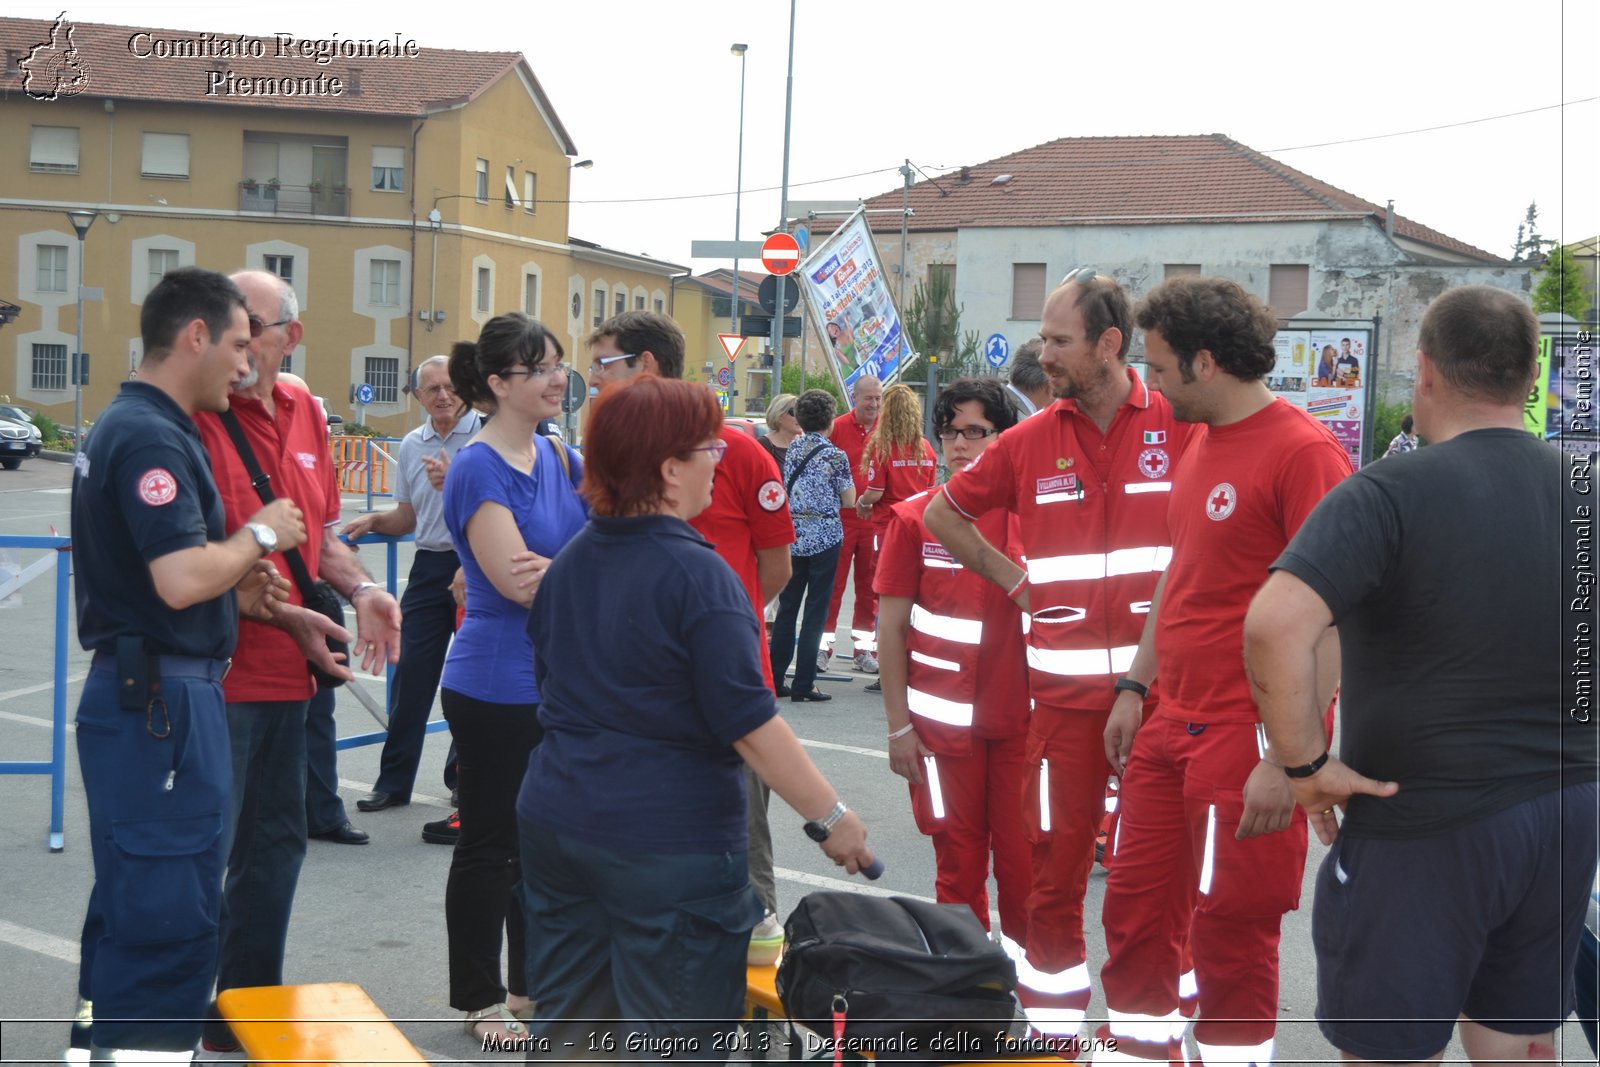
(157, 814)
(656, 940)
(428, 618)
(811, 580)
(493, 742)
(324, 810)
(269, 840)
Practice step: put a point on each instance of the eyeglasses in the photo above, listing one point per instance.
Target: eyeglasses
(602, 362)
(257, 327)
(971, 433)
(1082, 275)
(716, 448)
(437, 390)
(563, 369)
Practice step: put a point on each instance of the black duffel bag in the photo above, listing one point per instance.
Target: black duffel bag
(911, 979)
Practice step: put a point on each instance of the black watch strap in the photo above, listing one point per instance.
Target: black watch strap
(1128, 685)
(1306, 770)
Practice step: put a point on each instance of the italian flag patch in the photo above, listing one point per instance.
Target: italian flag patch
(1155, 437)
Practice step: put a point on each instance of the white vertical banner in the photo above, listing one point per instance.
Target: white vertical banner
(848, 299)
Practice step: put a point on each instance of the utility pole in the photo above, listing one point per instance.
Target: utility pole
(783, 224)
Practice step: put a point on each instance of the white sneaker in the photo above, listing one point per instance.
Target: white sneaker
(766, 941)
(824, 654)
(866, 663)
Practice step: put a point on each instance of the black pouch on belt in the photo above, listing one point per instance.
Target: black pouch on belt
(137, 674)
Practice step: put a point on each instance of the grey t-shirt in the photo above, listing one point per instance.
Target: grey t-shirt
(1446, 574)
(412, 485)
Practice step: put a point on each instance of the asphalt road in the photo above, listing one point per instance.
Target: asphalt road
(375, 914)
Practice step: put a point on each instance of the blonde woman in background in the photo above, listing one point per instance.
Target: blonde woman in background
(783, 426)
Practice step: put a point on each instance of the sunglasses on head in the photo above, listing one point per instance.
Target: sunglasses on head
(257, 327)
(1082, 275)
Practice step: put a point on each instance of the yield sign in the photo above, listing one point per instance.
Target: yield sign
(780, 253)
(731, 343)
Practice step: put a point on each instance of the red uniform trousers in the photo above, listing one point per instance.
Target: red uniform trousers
(969, 805)
(861, 548)
(1179, 873)
(1063, 804)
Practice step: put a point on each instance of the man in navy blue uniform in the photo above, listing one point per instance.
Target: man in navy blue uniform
(157, 605)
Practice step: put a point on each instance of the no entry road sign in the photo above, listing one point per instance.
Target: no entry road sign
(780, 253)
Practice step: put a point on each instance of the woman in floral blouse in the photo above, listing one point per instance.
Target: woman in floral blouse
(817, 476)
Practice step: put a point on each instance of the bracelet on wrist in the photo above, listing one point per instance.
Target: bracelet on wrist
(898, 734)
(1011, 594)
(359, 587)
(1306, 770)
(1128, 685)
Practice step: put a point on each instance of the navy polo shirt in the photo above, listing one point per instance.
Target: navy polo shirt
(142, 489)
(649, 669)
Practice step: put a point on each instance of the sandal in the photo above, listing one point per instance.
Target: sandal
(495, 1015)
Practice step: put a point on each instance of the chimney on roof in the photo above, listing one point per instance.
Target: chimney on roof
(353, 86)
(1388, 221)
(965, 176)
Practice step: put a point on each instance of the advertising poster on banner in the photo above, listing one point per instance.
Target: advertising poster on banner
(1324, 372)
(850, 304)
(1291, 374)
(1338, 385)
(1571, 393)
(1542, 398)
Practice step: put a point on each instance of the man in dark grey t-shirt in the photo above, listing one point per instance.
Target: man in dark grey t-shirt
(1456, 886)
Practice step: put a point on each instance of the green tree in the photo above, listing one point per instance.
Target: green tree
(933, 325)
(1386, 416)
(794, 383)
(1530, 245)
(1560, 285)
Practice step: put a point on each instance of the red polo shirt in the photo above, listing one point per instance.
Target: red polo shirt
(292, 449)
(850, 437)
(749, 511)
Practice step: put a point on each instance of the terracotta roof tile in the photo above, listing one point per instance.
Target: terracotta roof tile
(389, 84)
(1085, 181)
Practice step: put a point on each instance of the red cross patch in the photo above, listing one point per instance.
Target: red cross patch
(157, 487)
(1153, 462)
(1221, 501)
(771, 496)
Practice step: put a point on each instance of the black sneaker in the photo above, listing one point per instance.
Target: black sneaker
(446, 831)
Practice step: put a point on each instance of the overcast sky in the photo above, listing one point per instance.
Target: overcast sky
(649, 90)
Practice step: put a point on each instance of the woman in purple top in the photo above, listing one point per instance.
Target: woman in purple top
(510, 504)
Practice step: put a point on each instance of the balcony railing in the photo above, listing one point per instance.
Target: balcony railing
(295, 199)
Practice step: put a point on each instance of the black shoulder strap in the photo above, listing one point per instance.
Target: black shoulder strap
(261, 482)
(788, 485)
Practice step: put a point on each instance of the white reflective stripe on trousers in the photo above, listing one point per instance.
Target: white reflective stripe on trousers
(930, 770)
(1152, 1028)
(1044, 796)
(1076, 662)
(934, 661)
(938, 708)
(1187, 986)
(947, 627)
(864, 640)
(1208, 862)
(1071, 980)
(1214, 1055)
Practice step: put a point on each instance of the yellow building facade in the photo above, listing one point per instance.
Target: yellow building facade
(426, 196)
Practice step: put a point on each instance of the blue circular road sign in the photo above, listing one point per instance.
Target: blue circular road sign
(365, 393)
(996, 349)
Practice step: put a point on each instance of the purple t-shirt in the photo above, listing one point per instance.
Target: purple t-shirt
(492, 657)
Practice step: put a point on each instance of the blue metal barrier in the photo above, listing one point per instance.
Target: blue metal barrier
(388, 448)
(392, 583)
(56, 766)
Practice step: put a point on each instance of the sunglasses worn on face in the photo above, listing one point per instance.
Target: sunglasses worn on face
(971, 433)
(257, 327)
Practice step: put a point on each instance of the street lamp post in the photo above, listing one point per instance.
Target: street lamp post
(738, 197)
(81, 220)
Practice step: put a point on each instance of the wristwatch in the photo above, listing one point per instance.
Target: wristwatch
(266, 537)
(1128, 685)
(821, 831)
(358, 588)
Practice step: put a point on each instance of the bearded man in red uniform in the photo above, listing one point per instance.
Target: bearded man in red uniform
(955, 679)
(1210, 845)
(1088, 479)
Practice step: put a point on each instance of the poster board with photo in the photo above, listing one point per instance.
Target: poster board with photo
(848, 298)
